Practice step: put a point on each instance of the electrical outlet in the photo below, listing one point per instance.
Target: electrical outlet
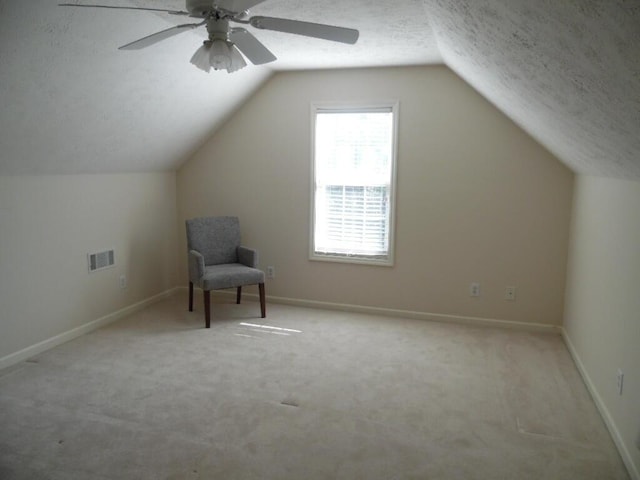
(271, 272)
(510, 294)
(620, 378)
(474, 289)
(123, 281)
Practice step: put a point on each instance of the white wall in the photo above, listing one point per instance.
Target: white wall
(477, 198)
(602, 322)
(48, 224)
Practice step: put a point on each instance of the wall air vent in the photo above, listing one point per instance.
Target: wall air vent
(101, 260)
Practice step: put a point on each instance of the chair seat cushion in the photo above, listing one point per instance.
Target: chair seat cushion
(230, 275)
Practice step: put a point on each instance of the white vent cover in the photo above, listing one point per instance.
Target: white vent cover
(101, 260)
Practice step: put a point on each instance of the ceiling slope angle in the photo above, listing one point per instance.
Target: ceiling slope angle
(71, 102)
(568, 72)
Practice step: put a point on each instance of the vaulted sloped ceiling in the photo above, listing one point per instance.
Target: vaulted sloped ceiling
(567, 71)
(71, 102)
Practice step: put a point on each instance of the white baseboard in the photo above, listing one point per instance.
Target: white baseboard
(434, 317)
(40, 347)
(634, 470)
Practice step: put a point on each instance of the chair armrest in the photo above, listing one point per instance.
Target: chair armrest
(248, 257)
(196, 266)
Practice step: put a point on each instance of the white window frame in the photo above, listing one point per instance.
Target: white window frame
(319, 107)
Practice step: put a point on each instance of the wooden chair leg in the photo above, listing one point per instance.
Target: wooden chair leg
(263, 307)
(191, 296)
(238, 295)
(207, 308)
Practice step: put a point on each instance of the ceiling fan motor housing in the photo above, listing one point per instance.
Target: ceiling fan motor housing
(217, 29)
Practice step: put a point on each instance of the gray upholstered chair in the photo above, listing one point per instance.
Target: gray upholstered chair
(217, 260)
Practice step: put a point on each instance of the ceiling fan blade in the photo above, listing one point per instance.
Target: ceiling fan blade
(308, 29)
(237, 5)
(251, 47)
(159, 36)
(171, 12)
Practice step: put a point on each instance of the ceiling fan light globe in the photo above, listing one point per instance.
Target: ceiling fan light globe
(219, 55)
(237, 60)
(201, 58)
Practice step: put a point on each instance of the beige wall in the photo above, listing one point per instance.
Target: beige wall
(48, 224)
(477, 198)
(602, 321)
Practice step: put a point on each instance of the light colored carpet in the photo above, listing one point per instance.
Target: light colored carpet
(325, 395)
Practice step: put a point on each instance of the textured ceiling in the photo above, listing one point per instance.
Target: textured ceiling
(567, 71)
(70, 102)
(390, 34)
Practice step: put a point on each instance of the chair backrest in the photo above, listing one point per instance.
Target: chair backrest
(216, 238)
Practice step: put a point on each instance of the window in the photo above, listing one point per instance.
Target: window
(353, 183)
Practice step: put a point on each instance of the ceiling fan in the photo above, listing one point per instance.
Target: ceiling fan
(221, 51)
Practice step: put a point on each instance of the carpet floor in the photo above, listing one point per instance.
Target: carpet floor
(303, 394)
